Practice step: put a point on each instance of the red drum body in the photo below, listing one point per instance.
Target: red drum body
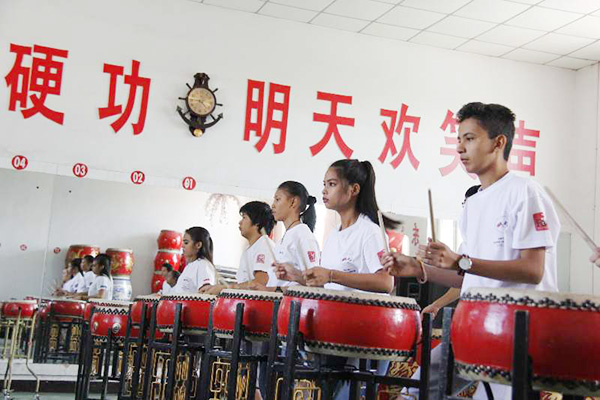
(157, 282)
(172, 257)
(27, 308)
(562, 344)
(138, 304)
(195, 312)
(121, 261)
(80, 251)
(66, 308)
(93, 303)
(111, 316)
(353, 324)
(258, 312)
(169, 240)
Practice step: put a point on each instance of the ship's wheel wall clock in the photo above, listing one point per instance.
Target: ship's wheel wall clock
(201, 103)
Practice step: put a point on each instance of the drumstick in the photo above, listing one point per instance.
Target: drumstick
(303, 254)
(218, 276)
(271, 253)
(382, 227)
(431, 215)
(586, 238)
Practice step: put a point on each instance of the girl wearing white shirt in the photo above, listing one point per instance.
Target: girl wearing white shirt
(88, 274)
(102, 287)
(198, 253)
(298, 250)
(351, 254)
(76, 283)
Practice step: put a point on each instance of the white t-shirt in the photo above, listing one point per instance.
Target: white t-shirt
(166, 288)
(194, 276)
(255, 258)
(68, 285)
(78, 285)
(89, 279)
(512, 214)
(101, 282)
(298, 247)
(356, 249)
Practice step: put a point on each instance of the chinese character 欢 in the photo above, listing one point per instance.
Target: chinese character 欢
(397, 125)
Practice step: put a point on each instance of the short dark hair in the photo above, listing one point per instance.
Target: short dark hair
(260, 214)
(89, 258)
(76, 263)
(168, 266)
(495, 119)
(175, 274)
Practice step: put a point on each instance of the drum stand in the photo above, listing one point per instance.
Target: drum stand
(18, 327)
(99, 359)
(133, 371)
(232, 373)
(294, 373)
(171, 369)
(60, 340)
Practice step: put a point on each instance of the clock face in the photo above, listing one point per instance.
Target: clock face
(201, 101)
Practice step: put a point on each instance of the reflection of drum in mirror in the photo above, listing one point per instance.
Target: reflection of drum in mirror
(353, 324)
(563, 346)
(258, 312)
(169, 240)
(194, 312)
(121, 266)
(172, 257)
(80, 251)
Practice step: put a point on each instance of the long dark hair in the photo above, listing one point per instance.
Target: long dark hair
(104, 261)
(200, 234)
(76, 264)
(308, 214)
(362, 173)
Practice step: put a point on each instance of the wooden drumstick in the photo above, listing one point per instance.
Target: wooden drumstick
(586, 238)
(303, 255)
(433, 237)
(382, 228)
(218, 277)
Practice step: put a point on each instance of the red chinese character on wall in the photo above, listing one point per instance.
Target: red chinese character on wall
(451, 123)
(279, 102)
(523, 159)
(134, 81)
(43, 78)
(415, 236)
(397, 125)
(333, 120)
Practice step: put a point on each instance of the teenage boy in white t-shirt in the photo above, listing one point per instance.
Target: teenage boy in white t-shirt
(257, 259)
(509, 226)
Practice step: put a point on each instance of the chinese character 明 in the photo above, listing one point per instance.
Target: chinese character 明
(273, 105)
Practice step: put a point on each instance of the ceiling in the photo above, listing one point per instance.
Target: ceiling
(559, 33)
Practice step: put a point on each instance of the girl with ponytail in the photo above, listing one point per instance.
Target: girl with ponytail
(298, 250)
(198, 253)
(351, 254)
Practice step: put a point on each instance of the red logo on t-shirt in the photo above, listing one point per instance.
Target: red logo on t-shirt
(260, 258)
(312, 256)
(380, 254)
(540, 222)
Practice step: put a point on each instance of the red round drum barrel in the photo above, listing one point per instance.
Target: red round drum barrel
(67, 308)
(563, 343)
(111, 316)
(169, 240)
(27, 308)
(195, 312)
(138, 304)
(258, 312)
(121, 261)
(80, 251)
(353, 324)
(172, 257)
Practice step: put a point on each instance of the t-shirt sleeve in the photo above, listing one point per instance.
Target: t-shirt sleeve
(262, 259)
(82, 286)
(308, 246)
(536, 224)
(373, 249)
(204, 275)
(103, 283)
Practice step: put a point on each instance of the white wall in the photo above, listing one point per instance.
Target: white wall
(175, 39)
